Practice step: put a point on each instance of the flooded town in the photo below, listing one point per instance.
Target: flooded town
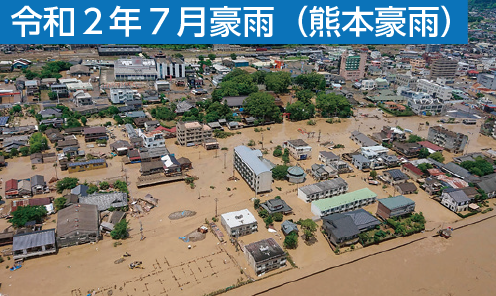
(251, 170)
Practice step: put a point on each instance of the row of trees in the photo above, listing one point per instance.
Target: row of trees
(49, 70)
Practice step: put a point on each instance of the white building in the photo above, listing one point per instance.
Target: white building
(152, 139)
(250, 165)
(135, 69)
(455, 200)
(368, 85)
(171, 67)
(239, 223)
(299, 149)
(121, 95)
(438, 91)
(423, 103)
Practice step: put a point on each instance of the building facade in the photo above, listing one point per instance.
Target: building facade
(443, 93)
(135, 69)
(121, 95)
(352, 66)
(250, 165)
(299, 149)
(192, 133)
(171, 68)
(152, 139)
(443, 68)
(265, 255)
(449, 140)
(239, 223)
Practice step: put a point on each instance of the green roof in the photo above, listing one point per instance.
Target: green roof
(396, 202)
(343, 199)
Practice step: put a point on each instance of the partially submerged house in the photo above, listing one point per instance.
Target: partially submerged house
(394, 207)
(33, 244)
(78, 224)
(265, 255)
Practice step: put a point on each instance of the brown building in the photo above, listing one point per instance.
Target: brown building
(78, 224)
(443, 68)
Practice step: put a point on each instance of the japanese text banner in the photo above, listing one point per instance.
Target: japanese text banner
(224, 22)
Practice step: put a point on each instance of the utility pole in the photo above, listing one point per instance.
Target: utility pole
(262, 141)
(216, 199)
(225, 154)
(318, 140)
(141, 231)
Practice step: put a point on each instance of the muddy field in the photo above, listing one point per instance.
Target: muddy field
(170, 267)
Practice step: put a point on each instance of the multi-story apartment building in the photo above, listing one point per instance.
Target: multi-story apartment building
(171, 67)
(299, 149)
(324, 189)
(252, 167)
(192, 133)
(437, 91)
(352, 66)
(432, 47)
(265, 255)
(449, 140)
(417, 64)
(239, 223)
(121, 95)
(406, 80)
(443, 68)
(152, 139)
(423, 104)
(487, 80)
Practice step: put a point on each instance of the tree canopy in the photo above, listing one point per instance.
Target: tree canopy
(331, 105)
(279, 172)
(479, 167)
(300, 111)
(311, 81)
(291, 241)
(437, 156)
(305, 96)
(262, 105)
(237, 83)
(59, 203)
(309, 227)
(414, 138)
(278, 81)
(37, 143)
(162, 112)
(27, 213)
(423, 153)
(66, 183)
(120, 230)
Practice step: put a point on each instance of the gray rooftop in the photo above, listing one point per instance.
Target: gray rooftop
(396, 202)
(363, 219)
(364, 140)
(251, 158)
(34, 239)
(396, 174)
(324, 186)
(105, 200)
(458, 195)
(340, 225)
(265, 249)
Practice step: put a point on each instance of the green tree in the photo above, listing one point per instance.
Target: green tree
(268, 220)
(256, 203)
(277, 152)
(291, 241)
(278, 217)
(27, 213)
(278, 81)
(331, 105)
(480, 95)
(262, 105)
(38, 143)
(201, 58)
(92, 188)
(121, 186)
(104, 185)
(66, 183)
(305, 96)
(424, 167)
(479, 167)
(423, 153)
(16, 109)
(279, 172)
(309, 227)
(14, 152)
(84, 120)
(373, 174)
(24, 151)
(59, 203)
(263, 213)
(233, 56)
(300, 111)
(120, 230)
(437, 156)
(52, 95)
(212, 56)
(414, 138)
(311, 81)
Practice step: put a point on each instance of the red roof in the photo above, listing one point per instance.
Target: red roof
(11, 185)
(164, 129)
(40, 201)
(429, 145)
(434, 172)
(413, 169)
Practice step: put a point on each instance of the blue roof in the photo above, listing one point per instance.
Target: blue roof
(251, 158)
(92, 161)
(4, 120)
